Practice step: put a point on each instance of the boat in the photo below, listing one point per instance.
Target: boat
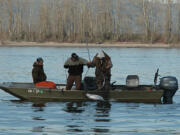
(130, 92)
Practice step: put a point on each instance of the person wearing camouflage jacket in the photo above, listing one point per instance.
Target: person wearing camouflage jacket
(103, 65)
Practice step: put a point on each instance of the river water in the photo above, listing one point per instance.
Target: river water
(88, 118)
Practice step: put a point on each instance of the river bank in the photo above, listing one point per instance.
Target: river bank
(93, 45)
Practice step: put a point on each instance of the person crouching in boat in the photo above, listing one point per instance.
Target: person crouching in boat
(74, 64)
(39, 76)
(103, 64)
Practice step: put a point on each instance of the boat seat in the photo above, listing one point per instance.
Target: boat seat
(89, 83)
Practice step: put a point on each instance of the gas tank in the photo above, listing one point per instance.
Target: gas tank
(132, 81)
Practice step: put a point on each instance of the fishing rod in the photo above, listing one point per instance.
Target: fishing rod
(65, 69)
(87, 35)
(91, 96)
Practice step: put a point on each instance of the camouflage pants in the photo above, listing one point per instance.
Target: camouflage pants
(103, 81)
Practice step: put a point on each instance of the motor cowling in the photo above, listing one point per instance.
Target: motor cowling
(170, 85)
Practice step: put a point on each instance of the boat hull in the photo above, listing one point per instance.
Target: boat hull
(48, 95)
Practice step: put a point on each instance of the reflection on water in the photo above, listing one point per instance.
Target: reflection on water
(89, 118)
(74, 107)
(101, 115)
(73, 129)
(103, 107)
(100, 130)
(78, 111)
(37, 118)
(38, 129)
(102, 112)
(38, 106)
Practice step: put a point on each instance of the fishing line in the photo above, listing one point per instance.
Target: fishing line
(64, 68)
(86, 35)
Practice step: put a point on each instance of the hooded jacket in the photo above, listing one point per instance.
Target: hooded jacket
(38, 74)
(103, 65)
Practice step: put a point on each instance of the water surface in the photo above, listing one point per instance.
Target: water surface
(88, 118)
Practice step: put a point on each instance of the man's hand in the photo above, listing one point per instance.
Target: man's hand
(89, 64)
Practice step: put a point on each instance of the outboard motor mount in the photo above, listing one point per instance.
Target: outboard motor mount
(170, 85)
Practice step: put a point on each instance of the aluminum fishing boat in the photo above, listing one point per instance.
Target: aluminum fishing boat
(130, 92)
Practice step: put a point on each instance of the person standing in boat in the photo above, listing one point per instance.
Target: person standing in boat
(74, 64)
(103, 64)
(39, 76)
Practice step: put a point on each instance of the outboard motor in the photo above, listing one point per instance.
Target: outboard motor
(170, 85)
(89, 83)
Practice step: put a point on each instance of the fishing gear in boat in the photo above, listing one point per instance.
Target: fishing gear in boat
(156, 76)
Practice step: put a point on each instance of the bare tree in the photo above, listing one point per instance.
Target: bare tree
(44, 22)
(1, 31)
(10, 17)
(146, 18)
(168, 25)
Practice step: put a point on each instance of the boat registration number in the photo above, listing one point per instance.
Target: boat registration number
(35, 90)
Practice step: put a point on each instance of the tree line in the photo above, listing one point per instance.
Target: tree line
(147, 21)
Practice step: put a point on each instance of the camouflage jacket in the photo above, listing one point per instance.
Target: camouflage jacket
(103, 66)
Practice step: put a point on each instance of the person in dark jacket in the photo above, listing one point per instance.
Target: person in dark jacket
(38, 74)
(74, 64)
(39, 77)
(103, 65)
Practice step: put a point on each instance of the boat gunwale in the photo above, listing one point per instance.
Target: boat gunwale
(125, 88)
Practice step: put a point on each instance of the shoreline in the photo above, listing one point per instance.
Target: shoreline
(91, 45)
